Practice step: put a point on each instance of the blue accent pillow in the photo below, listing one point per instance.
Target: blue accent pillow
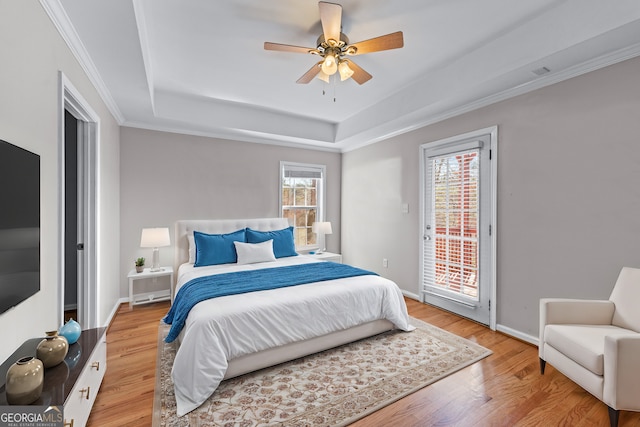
(283, 244)
(213, 249)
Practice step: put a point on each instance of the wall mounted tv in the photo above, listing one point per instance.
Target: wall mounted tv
(19, 225)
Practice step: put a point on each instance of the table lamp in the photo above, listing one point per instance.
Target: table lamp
(321, 229)
(155, 238)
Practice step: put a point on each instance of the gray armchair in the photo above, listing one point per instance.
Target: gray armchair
(596, 343)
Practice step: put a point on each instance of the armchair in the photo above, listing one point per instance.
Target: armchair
(596, 343)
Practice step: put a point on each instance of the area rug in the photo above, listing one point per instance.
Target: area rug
(332, 388)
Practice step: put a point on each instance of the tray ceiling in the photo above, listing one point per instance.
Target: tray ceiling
(199, 67)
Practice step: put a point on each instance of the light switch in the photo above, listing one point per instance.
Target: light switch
(405, 208)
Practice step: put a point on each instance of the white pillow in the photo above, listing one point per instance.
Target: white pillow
(249, 253)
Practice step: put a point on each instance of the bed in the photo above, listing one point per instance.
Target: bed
(231, 335)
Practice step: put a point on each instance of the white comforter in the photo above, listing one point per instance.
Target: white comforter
(228, 327)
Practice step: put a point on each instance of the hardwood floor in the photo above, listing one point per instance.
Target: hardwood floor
(504, 389)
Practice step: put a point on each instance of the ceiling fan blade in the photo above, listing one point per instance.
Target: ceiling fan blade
(331, 18)
(359, 75)
(287, 48)
(309, 75)
(376, 44)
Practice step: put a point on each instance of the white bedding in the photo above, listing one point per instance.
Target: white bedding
(228, 327)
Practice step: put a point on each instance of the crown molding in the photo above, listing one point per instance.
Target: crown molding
(61, 21)
(249, 137)
(594, 64)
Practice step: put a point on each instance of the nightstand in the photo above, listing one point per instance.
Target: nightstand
(328, 256)
(147, 297)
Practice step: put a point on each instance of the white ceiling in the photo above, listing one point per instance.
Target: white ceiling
(199, 67)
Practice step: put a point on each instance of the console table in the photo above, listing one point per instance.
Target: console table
(73, 383)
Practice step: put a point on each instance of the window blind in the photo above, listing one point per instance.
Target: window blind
(302, 172)
(451, 235)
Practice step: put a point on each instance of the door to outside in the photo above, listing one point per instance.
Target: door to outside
(457, 231)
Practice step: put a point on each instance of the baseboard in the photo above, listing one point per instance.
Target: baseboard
(517, 334)
(107, 323)
(500, 328)
(411, 295)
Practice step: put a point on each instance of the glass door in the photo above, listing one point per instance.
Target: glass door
(456, 235)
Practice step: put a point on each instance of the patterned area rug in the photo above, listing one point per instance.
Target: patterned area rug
(332, 388)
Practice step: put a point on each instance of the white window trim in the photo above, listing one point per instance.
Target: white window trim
(322, 198)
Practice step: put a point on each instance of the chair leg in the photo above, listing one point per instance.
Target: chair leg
(543, 363)
(614, 414)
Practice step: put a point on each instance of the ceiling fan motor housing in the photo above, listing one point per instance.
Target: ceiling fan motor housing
(337, 47)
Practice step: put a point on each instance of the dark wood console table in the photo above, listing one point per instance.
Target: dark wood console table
(85, 362)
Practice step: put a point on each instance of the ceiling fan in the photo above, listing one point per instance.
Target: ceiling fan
(333, 47)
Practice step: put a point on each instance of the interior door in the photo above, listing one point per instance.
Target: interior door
(457, 271)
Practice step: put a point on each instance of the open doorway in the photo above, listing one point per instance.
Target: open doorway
(78, 244)
(72, 230)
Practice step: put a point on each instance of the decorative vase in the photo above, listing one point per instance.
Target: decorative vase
(52, 349)
(71, 331)
(139, 268)
(24, 381)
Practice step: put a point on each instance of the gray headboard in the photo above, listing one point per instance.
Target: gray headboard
(217, 226)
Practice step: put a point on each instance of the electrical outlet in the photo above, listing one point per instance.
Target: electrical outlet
(385, 262)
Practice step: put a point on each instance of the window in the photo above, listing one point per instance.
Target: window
(302, 199)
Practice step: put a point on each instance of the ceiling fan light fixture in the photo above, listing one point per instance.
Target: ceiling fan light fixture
(333, 45)
(330, 64)
(323, 76)
(344, 70)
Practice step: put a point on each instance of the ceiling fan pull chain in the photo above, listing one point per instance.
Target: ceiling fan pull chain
(334, 88)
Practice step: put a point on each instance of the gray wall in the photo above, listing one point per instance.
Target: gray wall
(568, 193)
(32, 54)
(167, 177)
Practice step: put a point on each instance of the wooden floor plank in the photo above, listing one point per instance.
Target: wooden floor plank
(504, 389)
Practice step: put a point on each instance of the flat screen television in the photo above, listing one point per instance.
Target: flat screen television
(19, 225)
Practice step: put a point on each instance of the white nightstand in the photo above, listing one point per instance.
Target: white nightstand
(147, 297)
(328, 256)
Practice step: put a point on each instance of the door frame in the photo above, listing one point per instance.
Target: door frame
(493, 146)
(88, 130)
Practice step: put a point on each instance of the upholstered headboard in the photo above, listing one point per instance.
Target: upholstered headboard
(217, 226)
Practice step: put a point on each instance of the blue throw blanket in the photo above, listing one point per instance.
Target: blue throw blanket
(218, 285)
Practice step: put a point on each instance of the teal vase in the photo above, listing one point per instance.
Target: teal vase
(71, 331)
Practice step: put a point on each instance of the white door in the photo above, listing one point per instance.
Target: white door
(458, 234)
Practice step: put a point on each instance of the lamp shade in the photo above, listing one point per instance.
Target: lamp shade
(344, 70)
(321, 227)
(155, 237)
(329, 65)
